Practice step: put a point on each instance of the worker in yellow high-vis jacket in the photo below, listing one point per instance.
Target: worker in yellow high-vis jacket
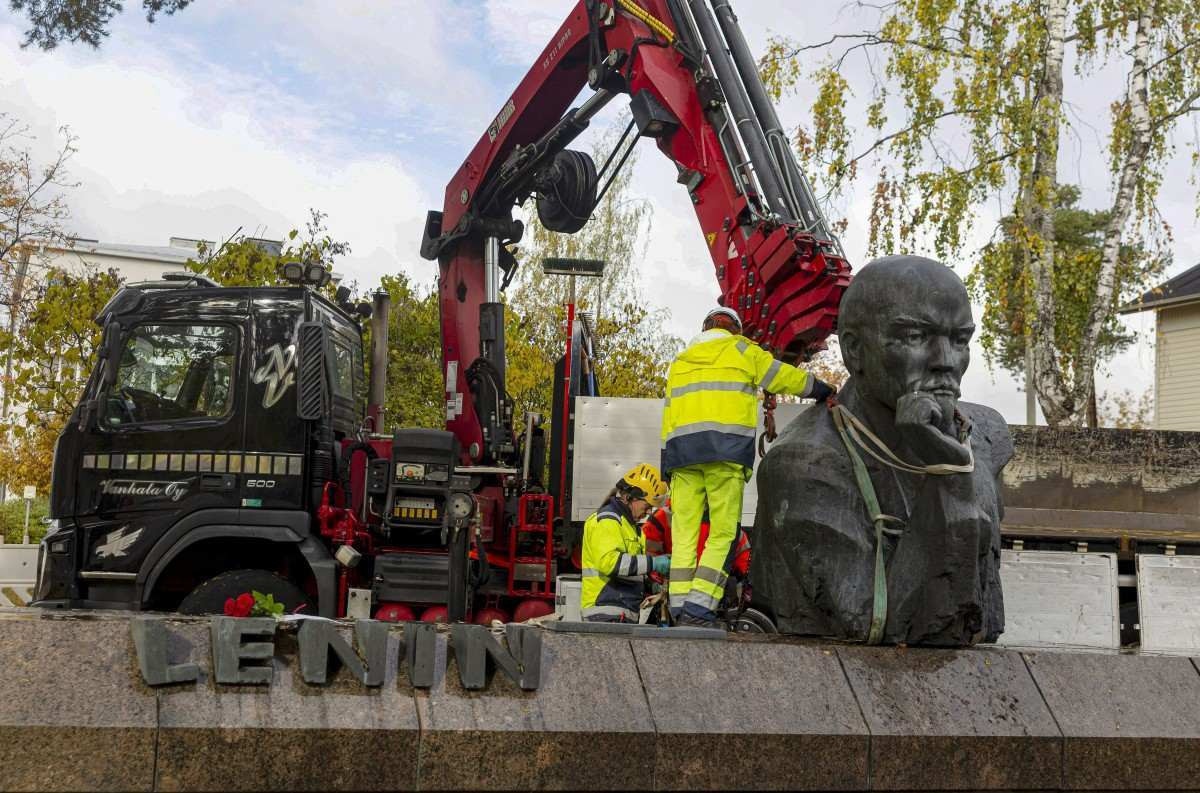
(615, 562)
(708, 429)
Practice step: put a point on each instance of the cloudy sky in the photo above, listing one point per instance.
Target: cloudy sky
(236, 114)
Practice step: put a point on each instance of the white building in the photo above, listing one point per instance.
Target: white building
(131, 262)
(1176, 307)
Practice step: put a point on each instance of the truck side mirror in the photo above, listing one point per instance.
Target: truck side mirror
(312, 372)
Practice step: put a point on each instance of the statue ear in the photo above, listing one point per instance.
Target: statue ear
(851, 345)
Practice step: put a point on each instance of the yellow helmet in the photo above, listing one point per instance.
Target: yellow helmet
(645, 482)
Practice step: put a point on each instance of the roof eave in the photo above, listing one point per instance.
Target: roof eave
(1169, 302)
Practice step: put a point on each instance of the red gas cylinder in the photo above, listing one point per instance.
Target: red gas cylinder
(394, 612)
(436, 614)
(485, 616)
(530, 608)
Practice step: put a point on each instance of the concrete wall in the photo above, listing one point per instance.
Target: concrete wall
(1104, 481)
(1177, 368)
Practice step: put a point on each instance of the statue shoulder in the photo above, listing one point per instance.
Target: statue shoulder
(809, 448)
(989, 428)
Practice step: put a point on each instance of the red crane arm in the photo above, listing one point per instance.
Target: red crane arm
(785, 277)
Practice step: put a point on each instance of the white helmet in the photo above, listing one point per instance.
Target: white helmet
(723, 311)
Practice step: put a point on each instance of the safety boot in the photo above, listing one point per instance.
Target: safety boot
(688, 621)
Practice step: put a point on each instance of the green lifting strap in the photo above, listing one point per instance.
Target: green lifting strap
(880, 605)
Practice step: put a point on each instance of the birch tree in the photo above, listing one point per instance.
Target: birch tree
(966, 106)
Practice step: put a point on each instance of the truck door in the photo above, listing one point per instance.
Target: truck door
(159, 448)
(272, 472)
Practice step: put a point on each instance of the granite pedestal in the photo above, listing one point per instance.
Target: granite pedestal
(609, 711)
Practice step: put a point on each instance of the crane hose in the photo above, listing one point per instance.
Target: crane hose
(650, 21)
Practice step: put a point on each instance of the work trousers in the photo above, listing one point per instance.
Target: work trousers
(697, 585)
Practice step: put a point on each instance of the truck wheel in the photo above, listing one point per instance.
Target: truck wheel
(210, 596)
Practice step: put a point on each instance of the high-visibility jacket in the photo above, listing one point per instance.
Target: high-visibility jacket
(657, 533)
(711, 409)
(615, 565)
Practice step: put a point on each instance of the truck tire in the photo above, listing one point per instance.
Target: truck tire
(210, 596)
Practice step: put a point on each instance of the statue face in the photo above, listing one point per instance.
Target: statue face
(921, 335)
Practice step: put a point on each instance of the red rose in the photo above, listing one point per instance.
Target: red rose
(241, 607)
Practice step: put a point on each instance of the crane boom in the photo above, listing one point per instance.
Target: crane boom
(694, 89)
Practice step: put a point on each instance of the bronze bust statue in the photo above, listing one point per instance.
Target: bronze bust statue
(879, 515)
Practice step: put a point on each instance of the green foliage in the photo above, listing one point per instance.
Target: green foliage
(53, 347)
(12, 519)
(244, 261)
(1002, 284)
(631, 345)
(1127, 410)
(415, 389)
(33, 209)
(966, 62)
(966, 106)
(265, 605)
(52, 22)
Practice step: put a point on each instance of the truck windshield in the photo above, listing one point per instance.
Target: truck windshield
(171, 373)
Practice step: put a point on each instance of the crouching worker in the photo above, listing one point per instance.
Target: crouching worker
(615, 562)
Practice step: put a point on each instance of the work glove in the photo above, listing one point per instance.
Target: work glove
(661, 564)
(821, 390)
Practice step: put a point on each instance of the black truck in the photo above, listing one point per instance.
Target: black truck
(210, 455)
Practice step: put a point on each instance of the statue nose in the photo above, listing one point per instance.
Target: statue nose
(942, 353)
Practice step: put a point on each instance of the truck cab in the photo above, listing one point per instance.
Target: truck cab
(188, 448)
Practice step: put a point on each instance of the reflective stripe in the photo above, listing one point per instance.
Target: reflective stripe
(772, 370)
(681, 586)
(608, 611)
(712, 385)
(715, 577)
(632, 565)
(607, 515)
(591, 572)
(703, 600)
(742, 347)
(711, 426)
